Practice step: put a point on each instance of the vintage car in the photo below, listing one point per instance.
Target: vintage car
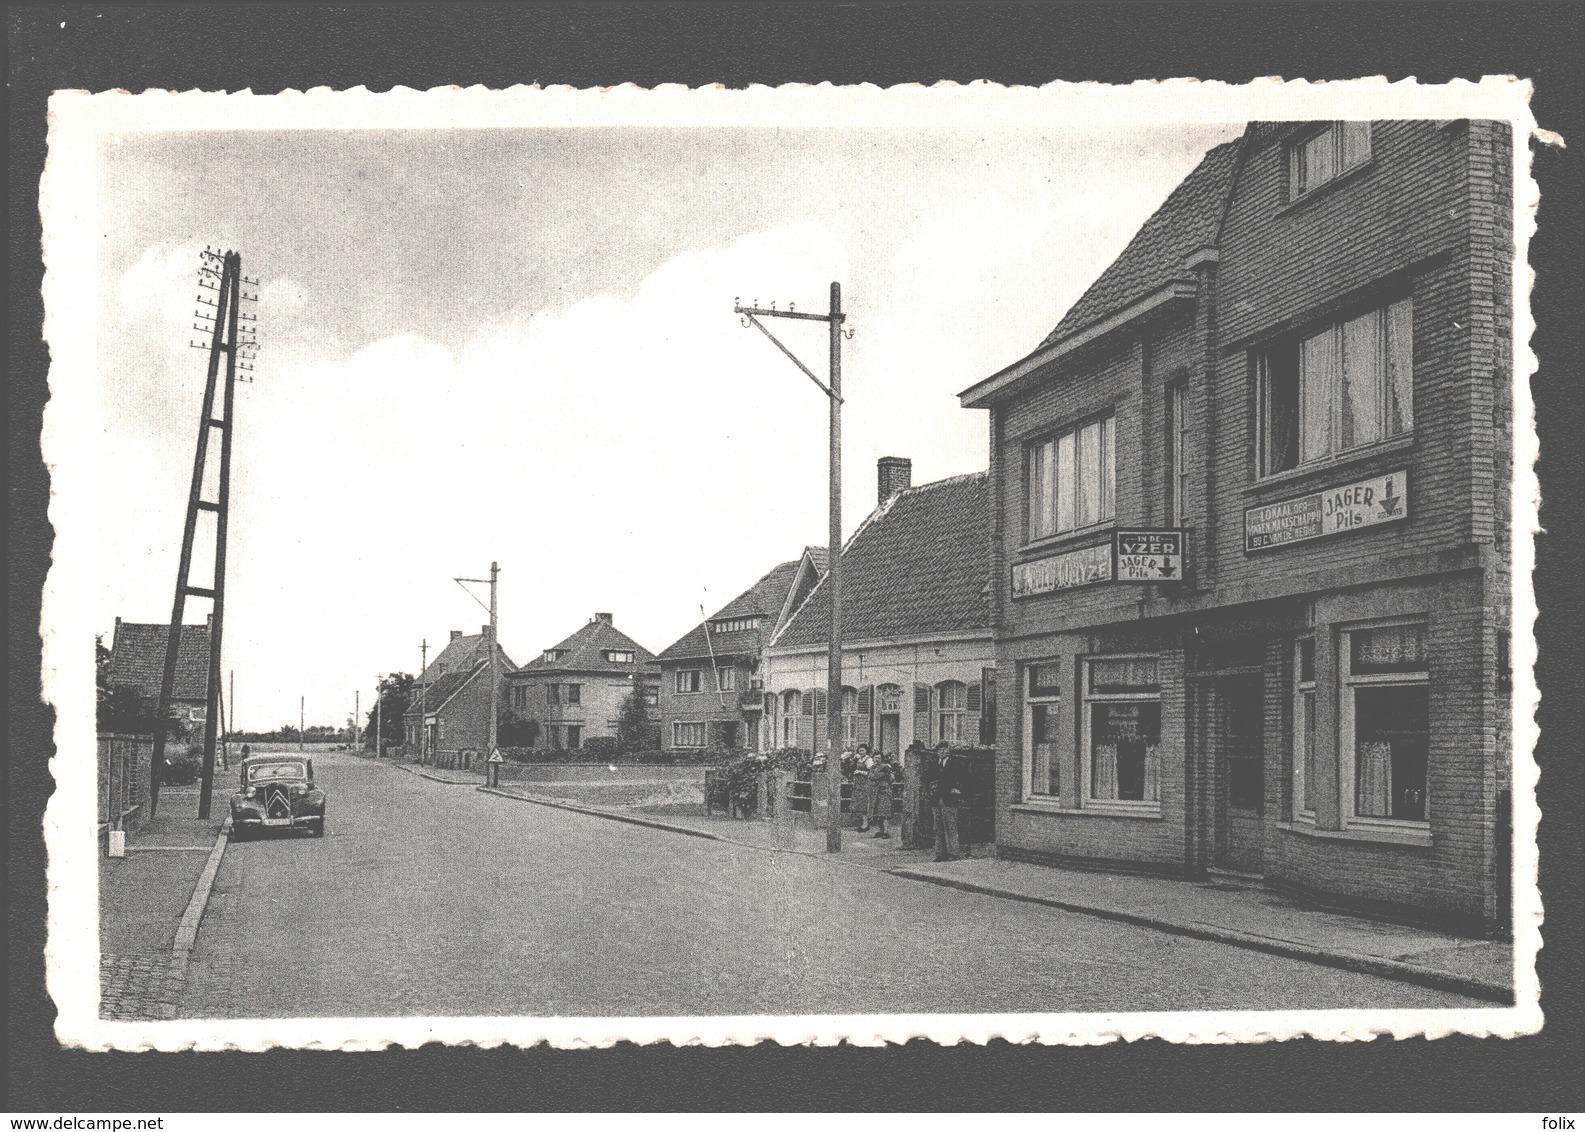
(278, 792)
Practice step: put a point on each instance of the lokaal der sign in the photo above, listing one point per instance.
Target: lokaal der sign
(1363, 503)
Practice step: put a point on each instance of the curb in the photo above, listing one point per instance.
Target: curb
(422, 774)
(187, 930)
(1346, 960)
(607, 814)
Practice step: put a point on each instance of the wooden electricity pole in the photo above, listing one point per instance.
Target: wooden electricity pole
(833, 580)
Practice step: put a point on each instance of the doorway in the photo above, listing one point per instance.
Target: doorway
(891, 732)
(1239, 749)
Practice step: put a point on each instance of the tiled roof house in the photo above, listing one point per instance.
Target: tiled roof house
(710, 693)
(137, 661)
(916, 633)
(575, 689)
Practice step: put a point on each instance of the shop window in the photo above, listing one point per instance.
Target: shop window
(1344, 386)
(1386, 728)
(1122, 731)
(1304, 728)
(687, 734)
(1042, 710)
(687, 680)
(1071, 481)
(1317, 158)
(952, 705)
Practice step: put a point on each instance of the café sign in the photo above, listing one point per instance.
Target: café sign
(1063, 571)
(1347, 507)
(1147, 555)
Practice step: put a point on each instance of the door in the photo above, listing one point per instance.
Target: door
(890, 732)
(1240, 765)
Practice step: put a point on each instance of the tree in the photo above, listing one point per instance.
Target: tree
(396, 695)
(513, 730)
(635, 729)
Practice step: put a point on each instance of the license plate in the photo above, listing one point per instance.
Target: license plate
(277, 821)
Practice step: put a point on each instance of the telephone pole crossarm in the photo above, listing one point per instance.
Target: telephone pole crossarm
(749, 316)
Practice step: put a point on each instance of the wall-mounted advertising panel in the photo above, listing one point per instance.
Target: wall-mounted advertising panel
(1147, 555)
(1334, 511)
(1063, 571)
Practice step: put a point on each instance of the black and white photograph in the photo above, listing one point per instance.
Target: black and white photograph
(792, 564)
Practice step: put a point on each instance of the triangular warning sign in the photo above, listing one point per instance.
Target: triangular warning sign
(495, 756)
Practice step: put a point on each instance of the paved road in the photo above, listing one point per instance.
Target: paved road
(431, 899)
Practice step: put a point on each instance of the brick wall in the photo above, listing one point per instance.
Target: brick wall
(598, 711)
(708, 705)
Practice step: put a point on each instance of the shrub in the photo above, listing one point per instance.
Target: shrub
(183, 769)
(603, 748)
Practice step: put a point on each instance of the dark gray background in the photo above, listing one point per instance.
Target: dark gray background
(273, 47)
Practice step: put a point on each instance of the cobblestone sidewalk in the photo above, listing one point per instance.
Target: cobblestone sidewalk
(145, 987)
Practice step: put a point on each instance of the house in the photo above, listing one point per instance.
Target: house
(453, 718)
(1301, 364)
(711, 693)
(450, 710)
(575, 690)
(137, 662)
(917, 650)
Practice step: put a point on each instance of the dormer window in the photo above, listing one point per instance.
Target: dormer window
(619, 656)
(735, 625)
(1314, 159)
(554, 654)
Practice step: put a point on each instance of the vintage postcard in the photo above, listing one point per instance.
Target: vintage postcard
(799, 565)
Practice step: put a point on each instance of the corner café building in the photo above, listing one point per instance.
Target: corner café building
(1250, 545)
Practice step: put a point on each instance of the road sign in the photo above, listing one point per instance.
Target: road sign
(495, 756)
(1147, 555)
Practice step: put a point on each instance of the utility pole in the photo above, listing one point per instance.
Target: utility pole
(300, 700)
(357, 718)
(833, 580)
(379, 715)
(423, 688)
(495, 691)
(227, 328)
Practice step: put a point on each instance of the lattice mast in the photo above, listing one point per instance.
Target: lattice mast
(233, 338)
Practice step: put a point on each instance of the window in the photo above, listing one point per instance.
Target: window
(791, 708)
(554, 654)
(735, 625)
(651, 697)
(855, 724)
(1042, 708)
(726, 679)
(1122, 730)
(1386, 722)
(687, 680)
(1345, 386)
(1177, 436)
(951, 703)
(1071, 479)
(574, 693)
(619, 656)
(1304, 728)
(565, 736)
(687, 734)
(553, 693)
(1318, 158)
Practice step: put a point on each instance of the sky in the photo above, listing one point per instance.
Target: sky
(518, 345)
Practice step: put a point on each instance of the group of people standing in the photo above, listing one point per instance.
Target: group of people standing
(946, 786)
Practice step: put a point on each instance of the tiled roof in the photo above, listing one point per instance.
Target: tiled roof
(763, 599)
(1186, 221)
(137, 660)
(585, 651)
(461, 654)
(919, 565)
(442, 689)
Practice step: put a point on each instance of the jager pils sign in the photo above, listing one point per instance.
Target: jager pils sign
(1147, 555)
(1334, 511)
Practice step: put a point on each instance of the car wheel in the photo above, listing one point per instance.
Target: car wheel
(238, 833)
(318, 828)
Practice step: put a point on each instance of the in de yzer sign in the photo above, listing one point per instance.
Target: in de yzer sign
(1140, 555)
(1348, 507)
(1063, 571)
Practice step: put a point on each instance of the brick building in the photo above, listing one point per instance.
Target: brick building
(137, 662)
(450, 712)
(917, 652)
(575, 690)
(1302, 361)
(711, 690)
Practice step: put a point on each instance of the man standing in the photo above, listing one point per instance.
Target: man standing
(945, 785)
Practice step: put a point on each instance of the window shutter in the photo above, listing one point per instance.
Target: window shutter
(988, 708)
(809, 702)
(976, 693)
(922, 714)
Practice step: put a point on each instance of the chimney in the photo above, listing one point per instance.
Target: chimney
(606, 617)
(484, 630)
(892, 474)
(455, 633)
